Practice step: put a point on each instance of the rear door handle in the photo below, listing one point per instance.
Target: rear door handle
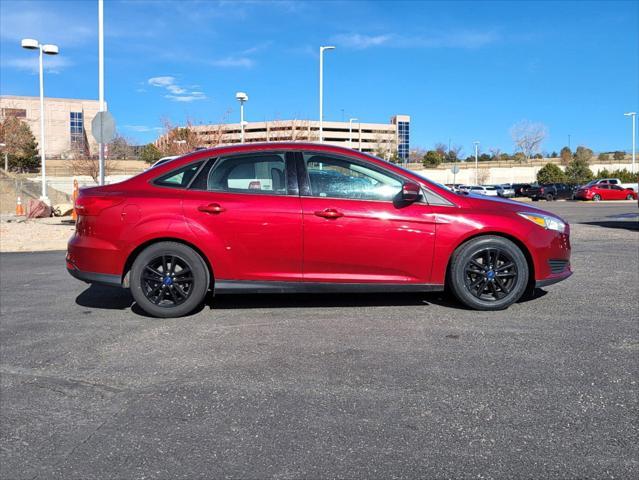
(214, 208)
(329, 213)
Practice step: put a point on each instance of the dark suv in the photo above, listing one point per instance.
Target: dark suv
(549, 191)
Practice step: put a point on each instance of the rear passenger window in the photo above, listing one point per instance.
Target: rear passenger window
(263, 173)
(179, 178)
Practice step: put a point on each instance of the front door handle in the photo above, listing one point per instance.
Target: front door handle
(329, 213)
(214, 208)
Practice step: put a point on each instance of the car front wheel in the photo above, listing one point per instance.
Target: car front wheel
(629, 197)
(596, 198)
(169, 279)
(488, 273)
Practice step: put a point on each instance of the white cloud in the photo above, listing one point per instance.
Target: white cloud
(456, 39)
(161, 81)
(28, 20)
(360, 42)
(230, 62)
(141, 128)
(51, 64)
(175, 91)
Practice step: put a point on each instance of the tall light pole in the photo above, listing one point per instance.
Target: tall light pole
(634, 131)
(241, 97)
(321, 90)
(350, 131)
(101, 85)
(476, 162)
(31, 44)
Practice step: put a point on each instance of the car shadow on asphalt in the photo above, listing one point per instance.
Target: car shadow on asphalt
(618, 224)
(114, 298)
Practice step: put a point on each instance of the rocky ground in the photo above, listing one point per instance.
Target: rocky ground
(42, 234)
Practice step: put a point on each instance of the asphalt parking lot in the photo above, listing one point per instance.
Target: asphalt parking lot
(327, 386)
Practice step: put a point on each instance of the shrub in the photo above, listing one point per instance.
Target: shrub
(551, 173)
(432, 158)
(150, 153)
(578, 172)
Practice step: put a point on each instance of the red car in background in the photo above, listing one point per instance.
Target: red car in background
(605, 191)
(301, 217)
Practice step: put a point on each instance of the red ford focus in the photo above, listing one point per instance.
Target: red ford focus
(605, 191)
(294, 217)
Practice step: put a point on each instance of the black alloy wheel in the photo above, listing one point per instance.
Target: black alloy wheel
(169, 279)
(488, 273)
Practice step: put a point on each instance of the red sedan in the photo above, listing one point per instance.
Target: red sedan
(294, 217)
(605, 191)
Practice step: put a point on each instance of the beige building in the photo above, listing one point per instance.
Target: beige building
(67, 122)
(385, 139)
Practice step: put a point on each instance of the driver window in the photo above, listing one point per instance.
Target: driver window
(340, 178)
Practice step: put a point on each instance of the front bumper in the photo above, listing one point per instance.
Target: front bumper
(553, 279)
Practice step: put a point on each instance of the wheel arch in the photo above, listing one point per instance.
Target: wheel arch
(522, 246)
(137, 250)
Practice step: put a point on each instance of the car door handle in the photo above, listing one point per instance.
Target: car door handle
(330, 213)
(211, 208)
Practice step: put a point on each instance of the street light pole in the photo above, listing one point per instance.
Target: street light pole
(634, 131)
(476, 163)
(241, 97)
(31, 44)
(350, 131)
(101, 83)
(321, 91)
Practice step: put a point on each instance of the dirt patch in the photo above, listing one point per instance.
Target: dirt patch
(18, 235)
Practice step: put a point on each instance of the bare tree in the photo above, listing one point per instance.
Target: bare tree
(84, 165)
(528, 136)
(495, 153)
(483, 174)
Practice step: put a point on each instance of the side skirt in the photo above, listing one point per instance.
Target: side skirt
(247, 286)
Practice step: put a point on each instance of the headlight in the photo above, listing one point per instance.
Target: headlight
(545, 221)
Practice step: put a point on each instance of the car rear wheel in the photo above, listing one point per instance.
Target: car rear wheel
(549, 197)
(169, 279)
(596, 197)
(488, 273)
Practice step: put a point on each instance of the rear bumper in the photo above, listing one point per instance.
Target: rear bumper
(92, 277)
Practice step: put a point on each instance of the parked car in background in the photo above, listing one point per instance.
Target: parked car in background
(549, 191)
(605, 191)
(519, 189)
(163, 160)
(613, 181)
(302, 218)
(488, 190)
(505, 190)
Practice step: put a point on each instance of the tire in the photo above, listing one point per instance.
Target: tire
(549, 197)
(596, 197)
(176, 296)
(535, 199)
(504, 287)
(629, 197)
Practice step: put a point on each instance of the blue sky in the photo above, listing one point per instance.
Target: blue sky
(465, 71)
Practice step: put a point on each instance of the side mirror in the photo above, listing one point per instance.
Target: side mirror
(411, 192)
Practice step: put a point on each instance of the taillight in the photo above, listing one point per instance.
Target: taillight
(541, 190)
(92, 205)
